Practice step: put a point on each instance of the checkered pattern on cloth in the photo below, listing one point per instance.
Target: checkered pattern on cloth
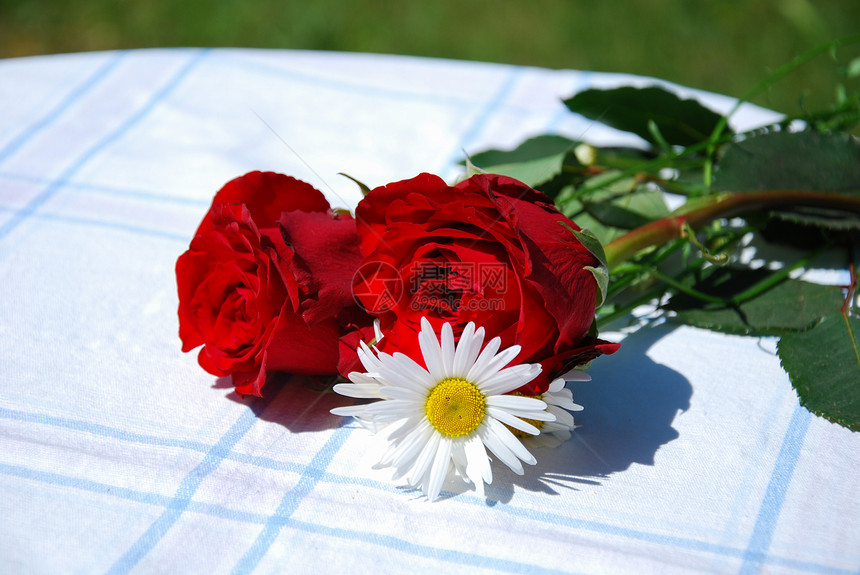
(119, 454)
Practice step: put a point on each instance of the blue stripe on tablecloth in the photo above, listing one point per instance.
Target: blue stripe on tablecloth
(447, 555)
(219, 511)
(318, 474)
(291, 501)
(63, 180)
(181, 500)
(68, 173)
(57, 479)
(101, 430)
(16, 143)
(278, 520)
(145, 439)
(355, 86)
(136, 194)
(774, 496)
(471, 133)
(583, 81)
(106, 224)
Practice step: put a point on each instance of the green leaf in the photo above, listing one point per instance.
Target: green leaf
(824, 367)
(531, 149)
(610, 214)
(629, 211)
(472, 169)
(792, 305)
(532, 173)
(604, 234)
(601, 276)
(533, 162)
(821, 217)
(622, 158)
(801, 161)
(809, 161)
(601, 272)
(364, 188)
(589, 242)
(680, 122)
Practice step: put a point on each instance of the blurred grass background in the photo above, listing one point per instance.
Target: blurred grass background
(724, 46)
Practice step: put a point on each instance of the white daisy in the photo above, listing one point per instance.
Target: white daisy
(447, 416)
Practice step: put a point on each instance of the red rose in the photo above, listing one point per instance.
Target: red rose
(489, 250)
(265, 284)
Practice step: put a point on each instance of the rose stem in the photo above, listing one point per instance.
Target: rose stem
(663, 230)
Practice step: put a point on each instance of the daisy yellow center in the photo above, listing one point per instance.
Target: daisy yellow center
(455, 406)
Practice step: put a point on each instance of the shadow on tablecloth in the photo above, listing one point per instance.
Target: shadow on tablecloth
(299, 403)
(630, 406)
(629, 409)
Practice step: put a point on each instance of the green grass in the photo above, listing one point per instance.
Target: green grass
(724, 46)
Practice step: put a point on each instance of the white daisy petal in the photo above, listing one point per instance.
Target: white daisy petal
(562, 398)
(463, 358)
(556, 385)
(561, 393)
(528, 414)
(390, 409)
(410, 448)
(424, 460)
(400, 429)
(500, 450)
(358, 390)
(509, 379)
(350, 411)
(458, 458)
(403, 363)
(403, 373)
(484, 358)
(377, 330)
(478, 464)
(576, 375)
(501, 359)
(513, 421)
(559, 400)
(431, 350)
(439, 470)
(566, 404)
(511, 441)
(562, 417)
(517, 402)
(447, 348)
(368, 359)
(359, 377)
(394, 392)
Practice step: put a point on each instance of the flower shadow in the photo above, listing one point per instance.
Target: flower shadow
(629, 408)
(299, 403)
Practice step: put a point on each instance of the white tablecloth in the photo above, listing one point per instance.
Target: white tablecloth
(119, 454)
